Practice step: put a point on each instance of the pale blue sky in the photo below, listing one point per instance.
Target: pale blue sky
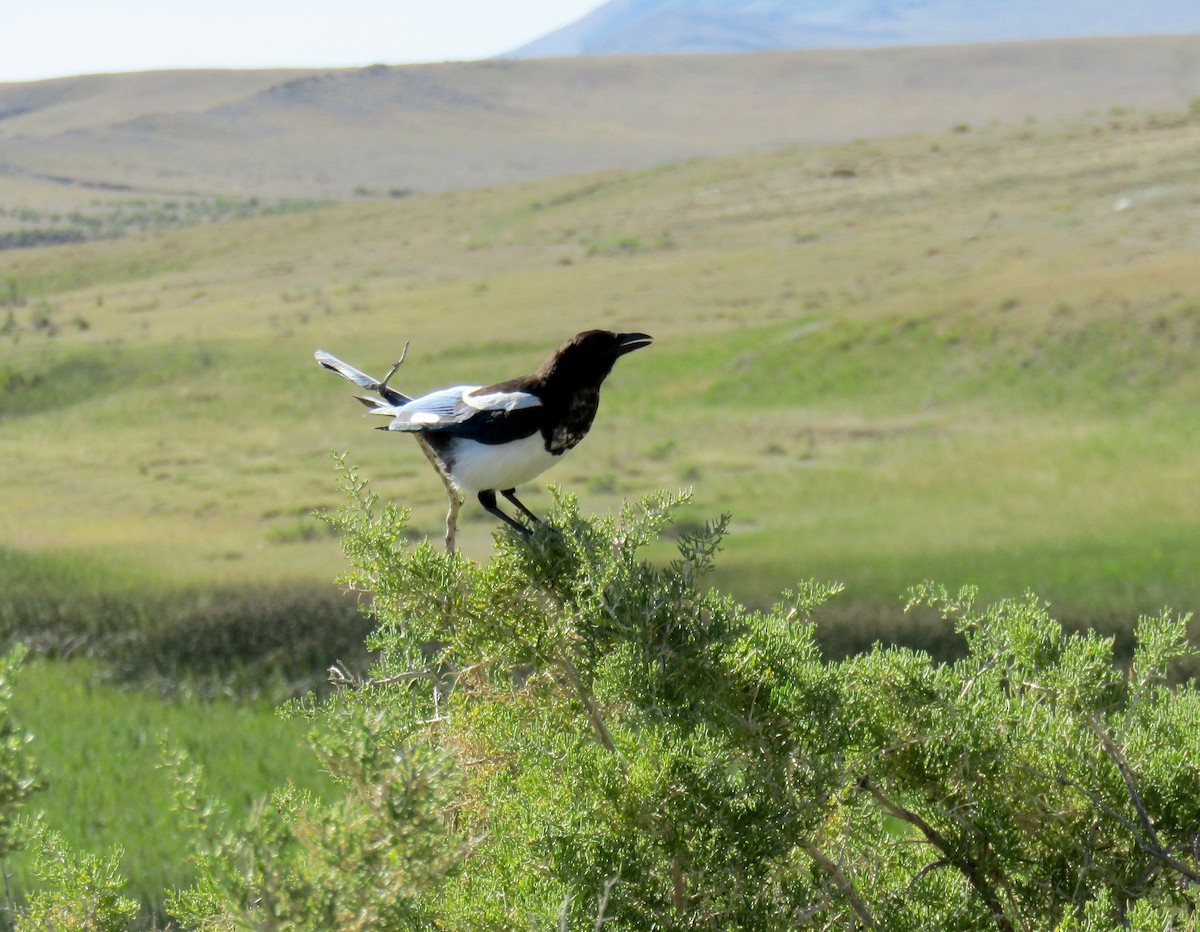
(52, 38)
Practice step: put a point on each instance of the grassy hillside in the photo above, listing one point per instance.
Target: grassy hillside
(966, 355)
(345, 134)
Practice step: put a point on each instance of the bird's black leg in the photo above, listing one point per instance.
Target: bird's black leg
(488, 500)
(511, 495)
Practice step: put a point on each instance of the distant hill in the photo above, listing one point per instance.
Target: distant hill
(678, 26)
(382, 131)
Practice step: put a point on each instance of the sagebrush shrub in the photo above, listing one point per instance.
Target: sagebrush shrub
(571, 736)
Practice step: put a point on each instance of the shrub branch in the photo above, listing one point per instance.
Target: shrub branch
(843, 883)
(589, 703)
(967, 865)
(1147, 838)
(339, 675)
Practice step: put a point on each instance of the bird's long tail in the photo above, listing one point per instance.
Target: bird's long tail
(348, 372)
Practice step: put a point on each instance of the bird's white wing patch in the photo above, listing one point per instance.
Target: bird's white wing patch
(502, 401)
(442, 402)
(429, 410)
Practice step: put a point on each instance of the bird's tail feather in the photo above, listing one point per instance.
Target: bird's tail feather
(361, 379)
(345, 370)
(377, 407)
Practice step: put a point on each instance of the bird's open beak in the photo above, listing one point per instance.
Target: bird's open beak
(628, 342)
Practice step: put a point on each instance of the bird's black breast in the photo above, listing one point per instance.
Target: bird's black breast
(572, 422)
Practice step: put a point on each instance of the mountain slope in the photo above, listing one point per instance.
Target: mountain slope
(60, 105)
(379, 130)
(678, 26)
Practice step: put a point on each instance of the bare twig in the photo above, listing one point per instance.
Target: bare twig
(564, 912)
(602, 902)
(589, 703)
(678, 884)
(10, 904)
(843, 883)
(927, 869)
(1150, 846)
(395, 368)
(340, 676)
(963, 862)
(1147, 839)
(1099, 803)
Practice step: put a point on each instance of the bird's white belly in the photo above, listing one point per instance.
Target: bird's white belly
(480, 466)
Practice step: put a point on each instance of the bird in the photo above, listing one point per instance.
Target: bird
(490, 439)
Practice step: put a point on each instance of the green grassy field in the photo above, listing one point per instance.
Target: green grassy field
(967, 357)
(101, 749)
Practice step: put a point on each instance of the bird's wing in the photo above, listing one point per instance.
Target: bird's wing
(481, 400)
(442, 408)
(492, 417)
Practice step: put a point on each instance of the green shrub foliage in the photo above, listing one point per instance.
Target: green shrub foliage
(570, 736)
(19, 778)
(80, 893)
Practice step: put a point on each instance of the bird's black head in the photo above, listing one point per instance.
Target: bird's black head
(587, 358)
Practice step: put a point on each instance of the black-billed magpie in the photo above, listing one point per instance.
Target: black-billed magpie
(489, 439)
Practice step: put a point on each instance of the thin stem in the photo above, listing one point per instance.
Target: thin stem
(843, 883)
(1148, 839)
(967, 865)
(589, 703)
(340, 676)
(395, 368)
